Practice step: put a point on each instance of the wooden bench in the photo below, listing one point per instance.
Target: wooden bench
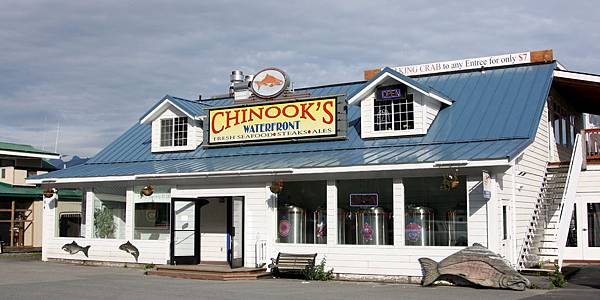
(292, 263)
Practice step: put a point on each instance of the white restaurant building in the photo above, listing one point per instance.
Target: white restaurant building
(415, 161)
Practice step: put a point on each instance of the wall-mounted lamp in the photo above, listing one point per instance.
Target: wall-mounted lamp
(147, 191)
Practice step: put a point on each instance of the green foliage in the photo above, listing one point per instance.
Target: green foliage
(318, 272)
(149, 266)
(557, 278)
(104, 222)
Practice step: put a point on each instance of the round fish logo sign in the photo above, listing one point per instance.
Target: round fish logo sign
(413, 232)
(269, 83)
(284, 228)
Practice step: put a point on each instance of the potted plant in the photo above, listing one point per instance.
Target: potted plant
(450, 182)
(104, 222)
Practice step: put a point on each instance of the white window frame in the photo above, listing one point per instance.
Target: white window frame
(376, 116)
(173, 140)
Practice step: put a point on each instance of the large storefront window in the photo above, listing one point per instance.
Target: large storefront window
(152, 214)
(70, 218)
(109, 212)
(435, 216)
(301, 212)
(365, 212)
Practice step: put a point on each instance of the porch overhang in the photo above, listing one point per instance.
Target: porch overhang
(284, 171)
(582, 90)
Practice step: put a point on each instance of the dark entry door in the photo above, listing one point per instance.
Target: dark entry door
(235, 230)
(185, 231)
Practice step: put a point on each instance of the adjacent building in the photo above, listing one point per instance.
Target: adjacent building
(414, 161)
(20, 202)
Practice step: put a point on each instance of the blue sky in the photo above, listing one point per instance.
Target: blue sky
(96, 66)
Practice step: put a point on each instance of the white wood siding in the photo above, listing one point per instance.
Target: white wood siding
(477, 226)
(589, 182)
(528, 173)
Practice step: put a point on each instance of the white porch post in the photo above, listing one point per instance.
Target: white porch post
(398, 208)
(49, 223)
(89, 213)
(332, 213)
(129, 213)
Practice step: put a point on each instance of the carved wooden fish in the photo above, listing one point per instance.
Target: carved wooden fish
(73, 248)
(268, 81)
(131, 249)
(477, 265)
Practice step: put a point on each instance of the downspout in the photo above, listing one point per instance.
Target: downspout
(513, 236)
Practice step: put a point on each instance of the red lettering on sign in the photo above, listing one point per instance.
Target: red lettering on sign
(305, 111)
(212, 123)
(327, 108)
(273, 115)
(286, 113)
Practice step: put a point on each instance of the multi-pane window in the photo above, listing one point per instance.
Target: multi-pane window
(180, 132)
(173, 132)
(394, 114)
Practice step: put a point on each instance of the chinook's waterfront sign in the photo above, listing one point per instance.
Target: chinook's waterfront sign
(274, 121)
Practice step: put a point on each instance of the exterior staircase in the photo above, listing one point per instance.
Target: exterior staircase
(540, 246)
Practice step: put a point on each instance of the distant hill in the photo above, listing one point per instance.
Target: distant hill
(65, 162)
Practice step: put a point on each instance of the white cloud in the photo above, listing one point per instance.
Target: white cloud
(95, 67)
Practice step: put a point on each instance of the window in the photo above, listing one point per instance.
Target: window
(152, 214)
(70, 217)
(504, 222)
(394, 114)
(173, 132)
(3, 173)
(433, 216)
(109, 212)
(31, 173)
(572, 236)
(301, 212)
(365, 212)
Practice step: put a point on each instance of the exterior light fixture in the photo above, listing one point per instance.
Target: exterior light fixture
(276, 187)
(147, 191)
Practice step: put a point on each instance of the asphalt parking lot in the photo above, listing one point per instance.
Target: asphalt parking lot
(41, 280)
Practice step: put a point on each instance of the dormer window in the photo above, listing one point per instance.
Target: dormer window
(395, 113)
(174, 132)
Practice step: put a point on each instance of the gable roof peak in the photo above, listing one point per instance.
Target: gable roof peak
(386, 73)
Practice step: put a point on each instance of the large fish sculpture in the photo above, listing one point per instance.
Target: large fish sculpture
(131, 249)
(477, 265)
(73, 248)
(269, 81)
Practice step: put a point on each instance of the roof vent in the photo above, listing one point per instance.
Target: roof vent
(239, 85)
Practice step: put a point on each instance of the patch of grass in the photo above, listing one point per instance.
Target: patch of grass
(149, 266)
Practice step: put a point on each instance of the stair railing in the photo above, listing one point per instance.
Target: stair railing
(533, 223)
(568, 199)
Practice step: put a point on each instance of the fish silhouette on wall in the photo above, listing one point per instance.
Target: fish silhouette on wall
(269, 81)
(131, 249)
(73, 248)
(477, 265)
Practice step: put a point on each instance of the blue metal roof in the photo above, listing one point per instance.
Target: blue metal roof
(495, 115)
(190, 107)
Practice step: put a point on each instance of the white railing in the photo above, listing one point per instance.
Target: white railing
(260, 249)
(568, 198)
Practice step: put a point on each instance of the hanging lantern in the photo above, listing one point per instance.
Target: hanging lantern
(276, 187)
(147, 190)
(49, 192)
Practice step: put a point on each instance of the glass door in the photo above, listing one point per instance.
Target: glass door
(591, 228)
(236, 232)
(185, 236)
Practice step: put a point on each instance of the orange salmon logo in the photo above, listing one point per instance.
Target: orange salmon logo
(269, 81)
